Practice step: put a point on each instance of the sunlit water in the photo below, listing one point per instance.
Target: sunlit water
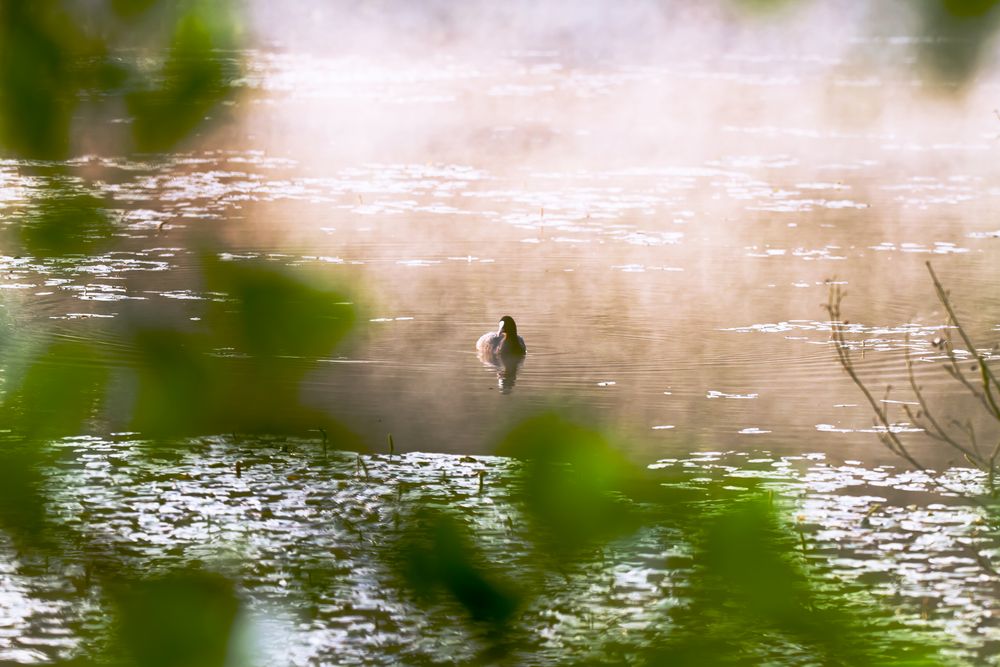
(666, 259)
(311, 537)
(665, 251)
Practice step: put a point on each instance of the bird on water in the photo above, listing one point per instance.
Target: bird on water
(503, 343)
(503, 351)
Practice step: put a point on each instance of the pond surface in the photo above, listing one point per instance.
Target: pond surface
(311, 538)
(663, 234)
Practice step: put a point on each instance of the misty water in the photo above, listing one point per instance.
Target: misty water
(665, 235)
(667, 264)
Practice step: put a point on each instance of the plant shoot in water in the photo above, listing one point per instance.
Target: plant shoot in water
(959, 435)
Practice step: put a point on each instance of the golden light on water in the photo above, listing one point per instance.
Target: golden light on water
(248, 256)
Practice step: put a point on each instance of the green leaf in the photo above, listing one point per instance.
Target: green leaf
(37, 86)
(573, 481)
(183, 619)
(67, 221)
(59, 392)
(22, 497)
(178, 386)
(196, 77)
(275, 312)
(132, 8)
(438, 556)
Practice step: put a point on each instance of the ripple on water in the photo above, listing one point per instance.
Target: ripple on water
(719, 394)
(291, 505)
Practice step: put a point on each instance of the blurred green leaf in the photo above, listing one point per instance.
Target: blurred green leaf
(188, 388)
(751, 599)
(969, 8)
(55, 394)
(22, 498)
(132, 8)
(573, 481)
(66, 221)
(184, 619)
(746, 548)
(244, 372)
(765, 7)
(196, 76)
(108, 76)
(51, 59)
(58, 393)
(956, 34)
(177, 385)
(37, 84)
(439, 556)
(276, 312)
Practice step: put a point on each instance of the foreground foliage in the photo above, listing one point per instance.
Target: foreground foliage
(750, 598)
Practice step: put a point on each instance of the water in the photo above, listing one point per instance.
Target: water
(312, 539)
(665, 235)
(665, 248)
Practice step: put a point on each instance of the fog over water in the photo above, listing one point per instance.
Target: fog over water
(662, 194)
(657, 193)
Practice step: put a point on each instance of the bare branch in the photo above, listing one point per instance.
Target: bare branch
(936, 431)
(889, 436)
(988, 379)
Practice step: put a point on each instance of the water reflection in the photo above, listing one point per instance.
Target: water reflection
(506, 369)
(694, 247)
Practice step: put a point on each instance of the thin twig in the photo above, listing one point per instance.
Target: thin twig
(938, 432)
(987, 375)
(889, 438)
(886, 435)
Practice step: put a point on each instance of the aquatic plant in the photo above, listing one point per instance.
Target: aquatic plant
(958, 435)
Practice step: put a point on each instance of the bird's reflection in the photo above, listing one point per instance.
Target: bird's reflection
(506, 368)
